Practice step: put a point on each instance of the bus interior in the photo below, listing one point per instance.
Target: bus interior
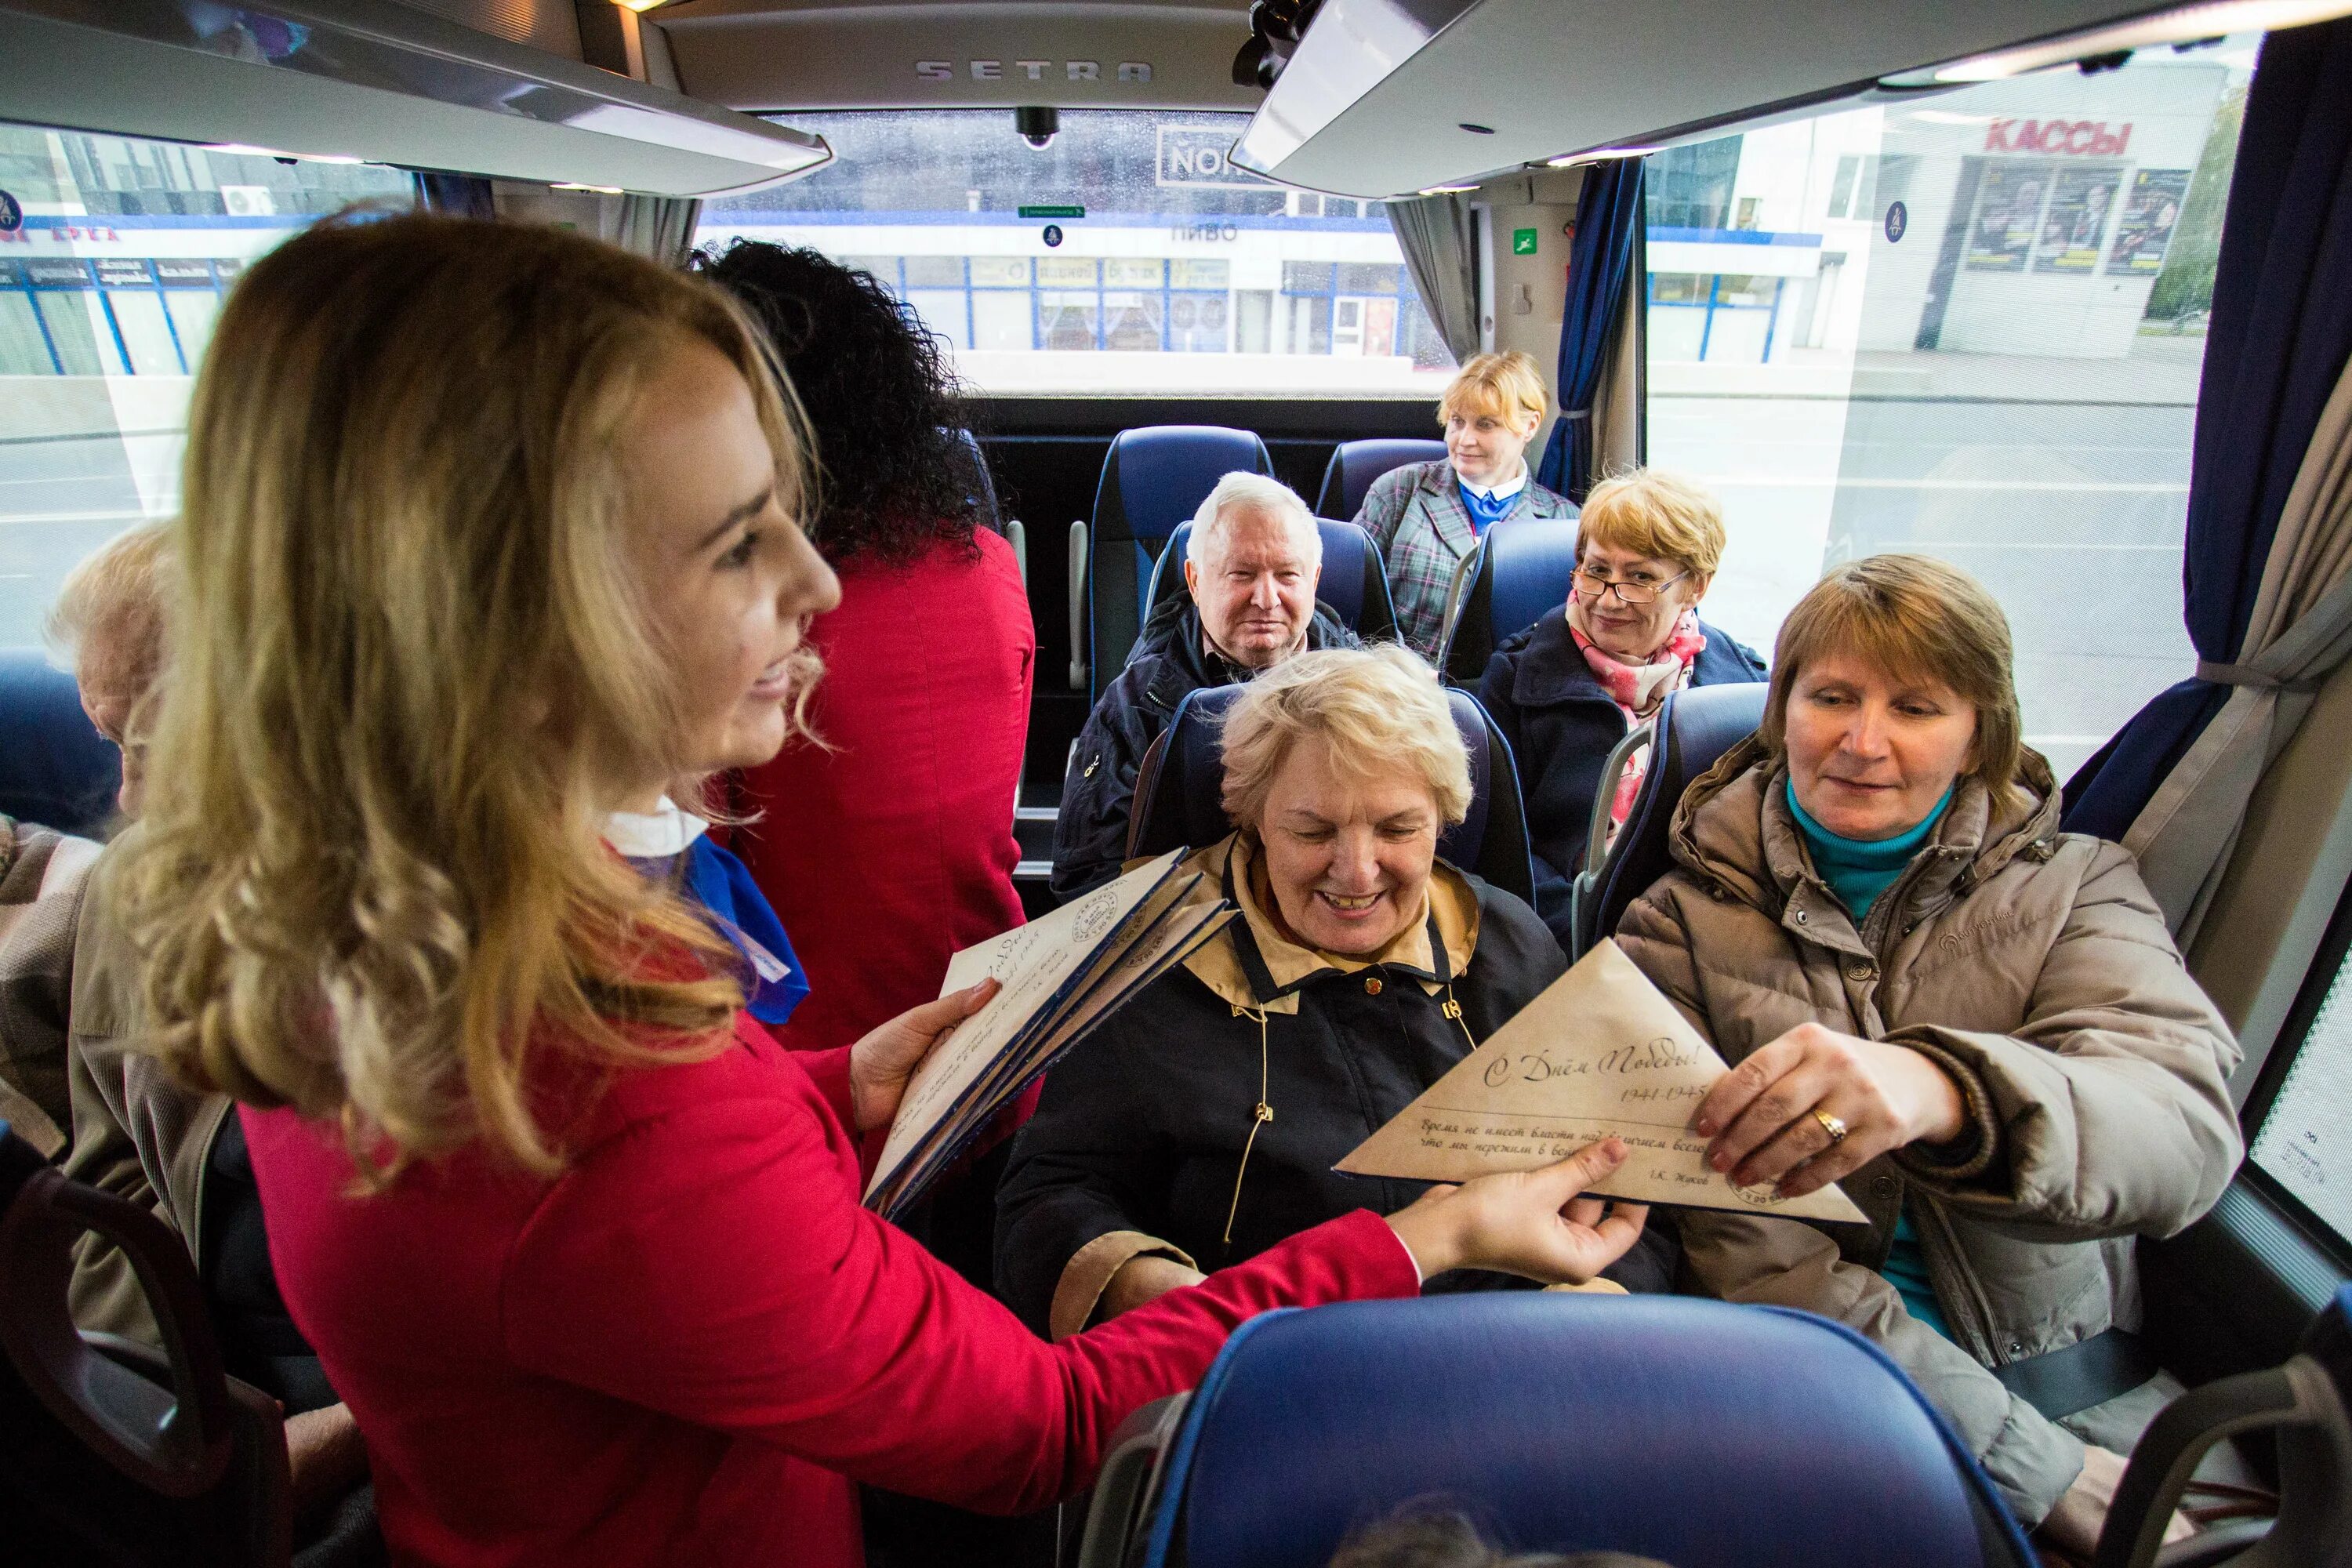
(1948, 279)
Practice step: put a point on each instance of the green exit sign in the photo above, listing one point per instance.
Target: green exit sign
(1055, 210)
(1523, 242)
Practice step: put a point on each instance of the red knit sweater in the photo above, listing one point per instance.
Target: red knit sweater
(690, 1345)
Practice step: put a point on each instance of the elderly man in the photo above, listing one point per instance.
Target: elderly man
(105, 622)
(1249, 577)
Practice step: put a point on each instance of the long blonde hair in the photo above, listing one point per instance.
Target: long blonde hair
(410, 676)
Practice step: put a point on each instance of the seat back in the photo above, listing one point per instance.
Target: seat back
(1355, 582)
(1699, 1433)
(111, 1452)
(1179, 792)
(973, 469)
(1518, 571)
(2306, 1407)
(1354, 465)
(1699, 723)
(56, 769)
(1153, 480)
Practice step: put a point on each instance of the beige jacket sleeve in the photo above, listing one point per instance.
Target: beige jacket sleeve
(2111, 1113)
(1785, 1263)
(104, 1296)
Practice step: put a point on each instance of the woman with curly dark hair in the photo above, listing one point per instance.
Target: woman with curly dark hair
(889, 846)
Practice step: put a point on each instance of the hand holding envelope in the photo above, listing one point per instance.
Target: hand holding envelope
(1599, 1054)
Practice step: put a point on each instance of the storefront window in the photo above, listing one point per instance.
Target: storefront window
(1971, 326)
(1128, 237)
(108, 290)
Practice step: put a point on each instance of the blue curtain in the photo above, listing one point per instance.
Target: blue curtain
(1609, 216)
(2278, 338)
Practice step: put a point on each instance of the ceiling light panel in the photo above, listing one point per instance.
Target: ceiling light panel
(1372, 103)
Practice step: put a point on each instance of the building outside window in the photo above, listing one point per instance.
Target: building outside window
(1126, 258)
(109, 291)
(1970, 325)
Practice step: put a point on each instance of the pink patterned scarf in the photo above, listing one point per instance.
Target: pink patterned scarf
(1637, 689)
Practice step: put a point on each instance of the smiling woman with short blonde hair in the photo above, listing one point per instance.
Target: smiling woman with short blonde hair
(1200, 1127)
(1369, 710)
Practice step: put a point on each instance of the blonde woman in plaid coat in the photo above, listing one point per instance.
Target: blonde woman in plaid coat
(1426, 517)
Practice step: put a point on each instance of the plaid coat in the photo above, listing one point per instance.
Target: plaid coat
(1416, 516)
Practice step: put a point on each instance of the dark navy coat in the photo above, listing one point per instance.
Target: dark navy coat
(1562, 725)
(1169, 662)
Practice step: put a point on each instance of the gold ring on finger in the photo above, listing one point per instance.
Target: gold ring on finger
(1832, 1125)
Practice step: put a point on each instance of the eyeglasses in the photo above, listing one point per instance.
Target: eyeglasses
(1594, 586)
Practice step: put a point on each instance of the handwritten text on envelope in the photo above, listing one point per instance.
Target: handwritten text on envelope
(1601, 1053)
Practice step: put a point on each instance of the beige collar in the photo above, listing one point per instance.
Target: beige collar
(1270, 972)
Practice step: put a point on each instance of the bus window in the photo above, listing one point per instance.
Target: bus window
(1126, 258)
(1973, 327)
(2301, 1108)
(108, 294)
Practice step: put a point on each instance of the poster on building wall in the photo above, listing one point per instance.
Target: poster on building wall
(2080, 206)
(2150, 215)
(2009, 207)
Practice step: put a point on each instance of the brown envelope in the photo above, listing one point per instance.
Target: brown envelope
(1601, 1052)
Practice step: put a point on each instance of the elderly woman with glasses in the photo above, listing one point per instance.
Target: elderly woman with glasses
(1568, 689)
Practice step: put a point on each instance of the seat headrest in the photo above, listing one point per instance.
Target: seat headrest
(56, 769)
(1699, 1433)
(1354, 465)
(1156, 477)
(1700, 723)
(977, 482)
(1179, 795)
(1529, 565)
(1347, 552)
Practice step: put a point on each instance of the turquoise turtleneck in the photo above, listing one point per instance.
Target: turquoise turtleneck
(1858, 870)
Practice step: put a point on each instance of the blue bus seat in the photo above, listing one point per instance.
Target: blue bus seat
(56, 769)
(1354, 586)
(1701, 1434)
(111, 1451)
(978, 485)
(1518, 571)
(1699, 723)
(1180, 790)
(1153, 480)
(1354, 465)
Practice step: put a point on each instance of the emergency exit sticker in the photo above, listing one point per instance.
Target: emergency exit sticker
(1523, 242)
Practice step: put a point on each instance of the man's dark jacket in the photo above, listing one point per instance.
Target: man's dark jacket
(1169, 661)
(1562, 725)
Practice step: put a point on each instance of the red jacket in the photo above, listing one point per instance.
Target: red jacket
(888, 853)
(688, 1346)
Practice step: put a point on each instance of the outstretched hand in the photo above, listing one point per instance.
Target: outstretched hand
(1766, 1116)
(881, 1063)
(1533, 1223)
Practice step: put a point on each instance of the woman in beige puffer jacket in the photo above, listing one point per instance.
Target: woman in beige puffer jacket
(2001, 1046)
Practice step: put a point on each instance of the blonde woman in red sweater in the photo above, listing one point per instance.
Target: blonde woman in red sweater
(491, 532)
